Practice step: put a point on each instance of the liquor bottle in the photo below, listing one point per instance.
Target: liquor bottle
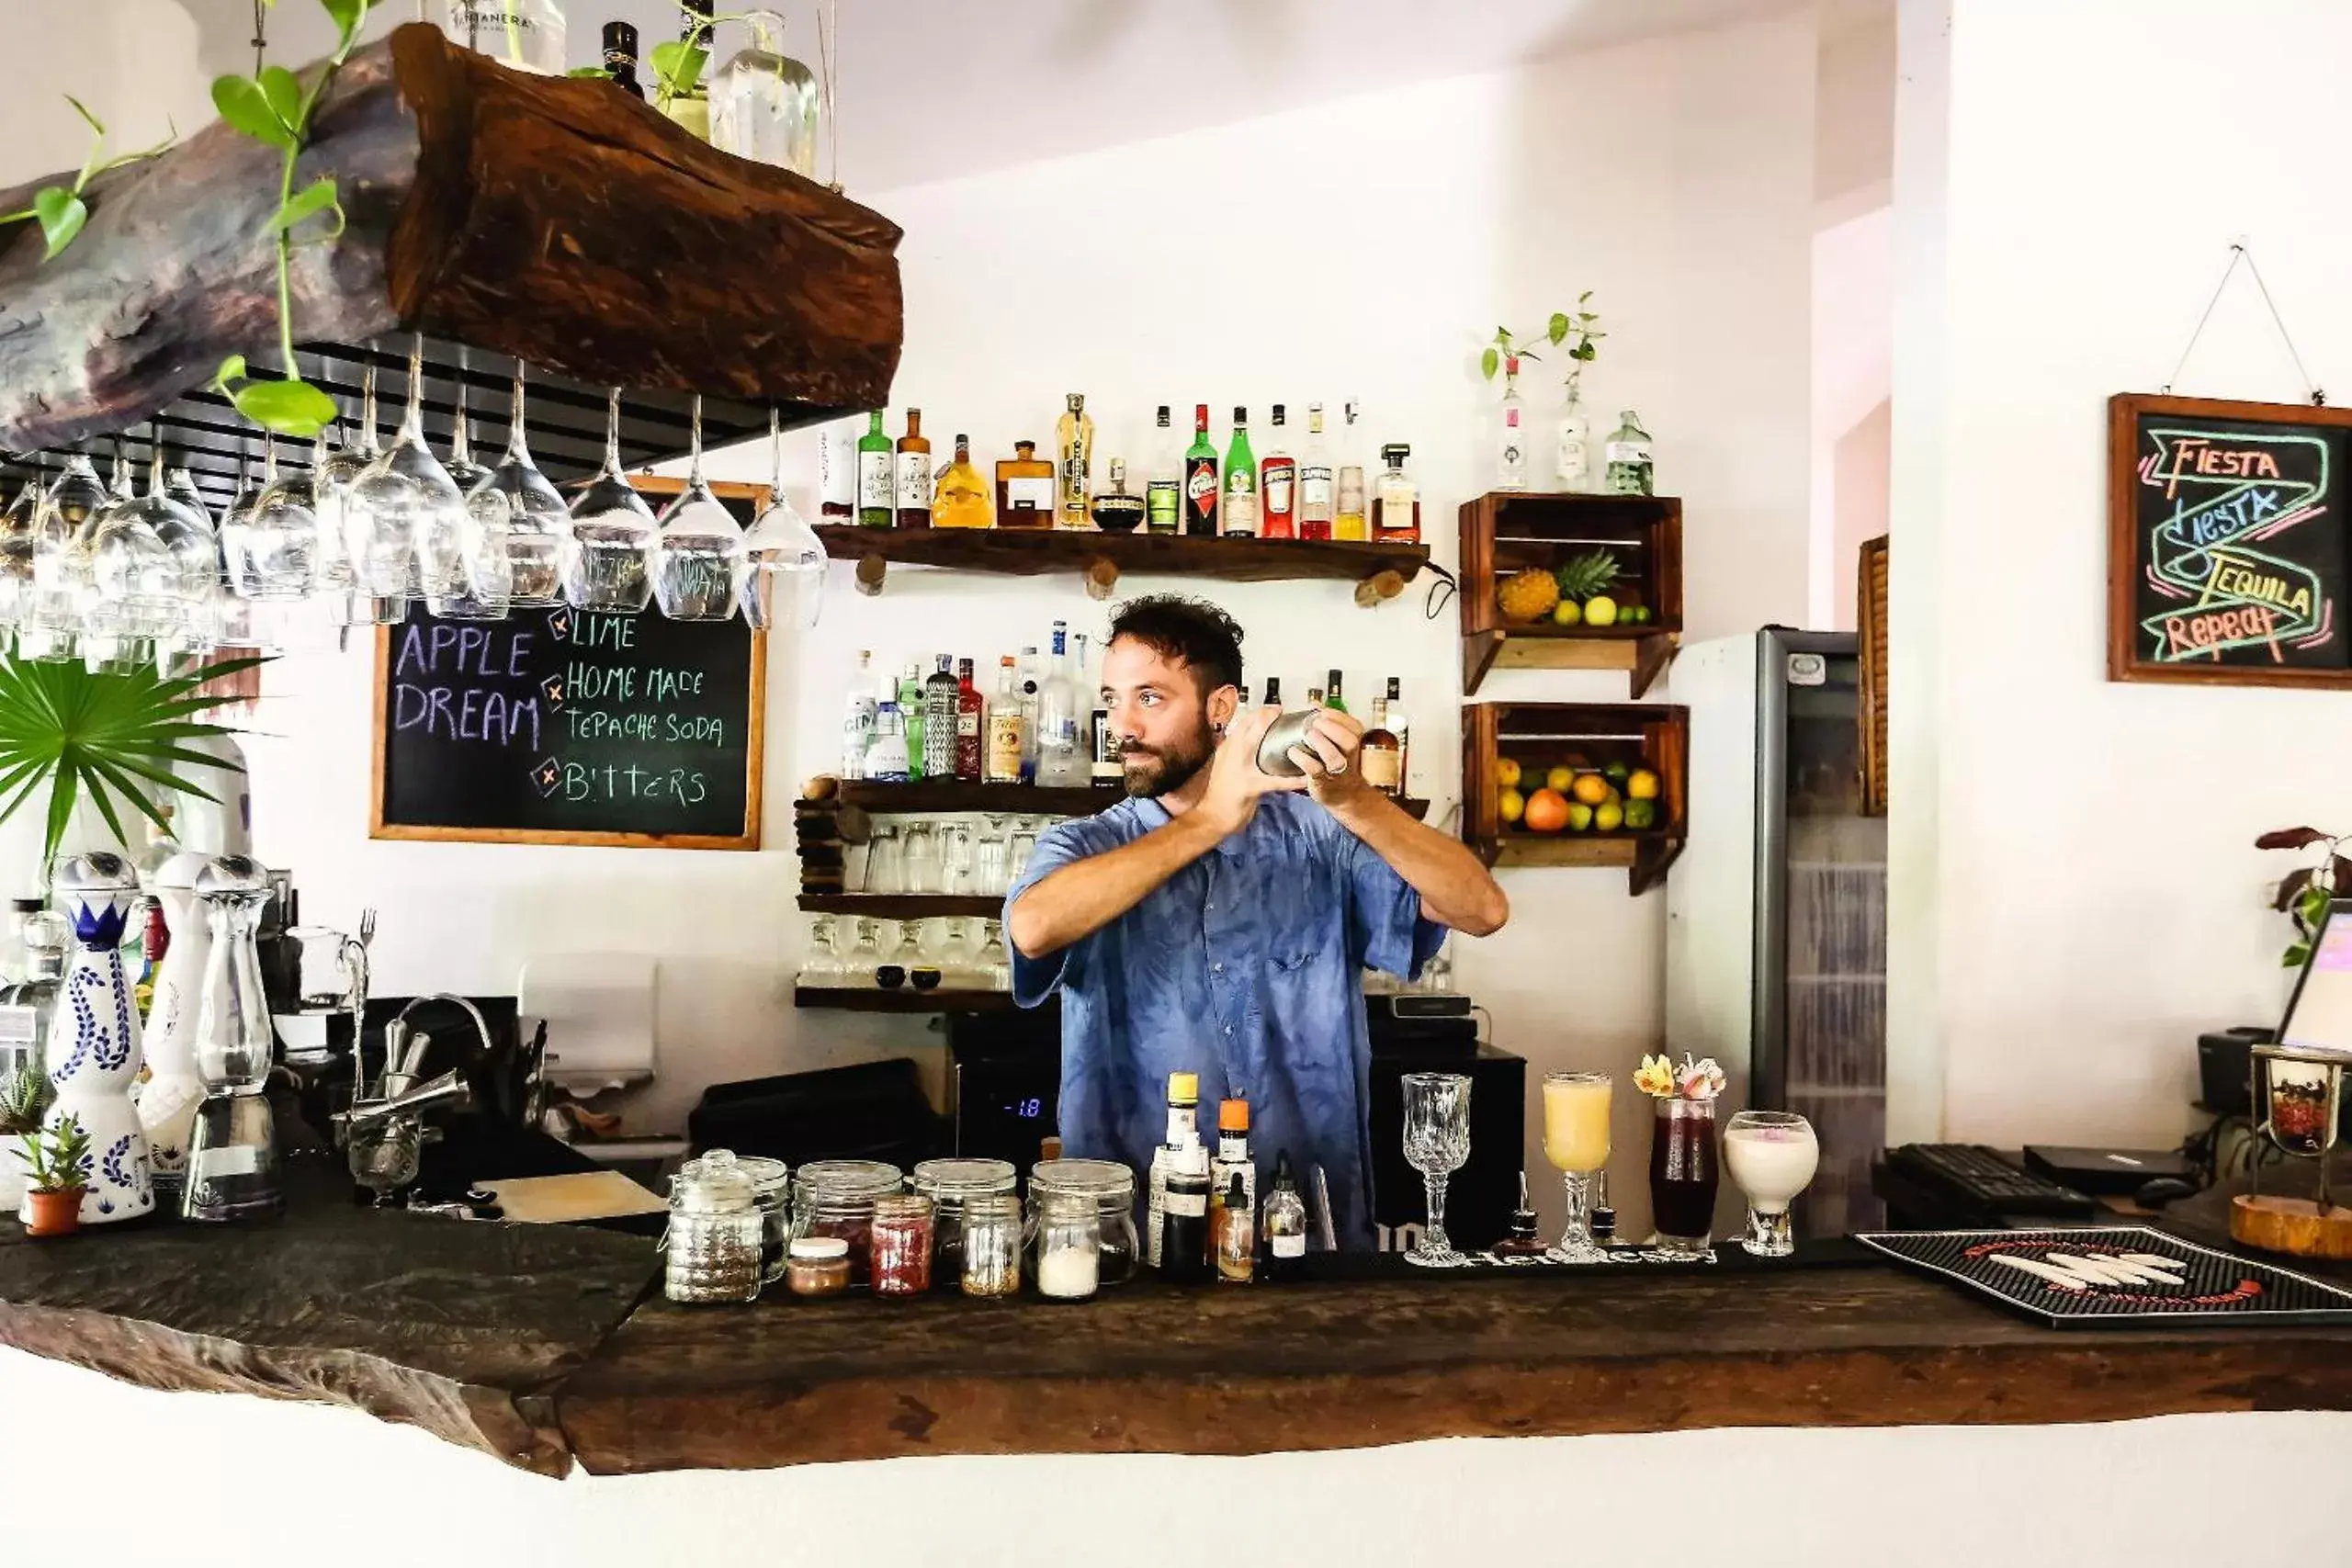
(1182, 1142)
(1118, 510)
(1074, 463)
(1314, 490)
(1024, 489)
(1628, 471)
(837, 471)
(877, 490)
(915, 474)
(1277, 487)
(887, 759)
(1314, 696)
(1382, 758)
(857, 719)
(1200, 479)
(1109, 771)
(970, 716)
(1285, 1223)
(1347, 521)
(1062, 762)
(962, 498)
(1399, 726)
(1510, 453)
(1273, 693)
(909, 701)
(620, 58)
(1185, 1222)
(940, 727)
(1397, 503)
(1331, 697)
(1163, 491)
(1573, 462)
(526, 34)
(1238, 517)
(1234, 1233)
(1028, 680)
(1233, 1149)
(1004, 747)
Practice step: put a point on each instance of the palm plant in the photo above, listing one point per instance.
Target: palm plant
(108, 736)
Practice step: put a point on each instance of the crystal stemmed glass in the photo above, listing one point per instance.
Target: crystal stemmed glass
(1772, 1155)
(404, 508)
(607, 558)
(284, 535)
(466, 573)
(16, 550)
(52, 624)
(1575, 1140)
(529, 515)
(786, 557)
(464, 472)
(334, 471)
(699, 562)
(1437, 1143)
(134, 581)
(185, 532)
(180, 485)
(385, 1154)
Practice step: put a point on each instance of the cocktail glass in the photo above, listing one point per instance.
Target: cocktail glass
(1575, 1140)
(1772, 1155)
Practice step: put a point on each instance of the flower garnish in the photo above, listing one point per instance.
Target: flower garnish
(1655, 1076)
(1701, 1079)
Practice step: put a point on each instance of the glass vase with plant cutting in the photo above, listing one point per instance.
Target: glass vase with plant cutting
(1576, 336)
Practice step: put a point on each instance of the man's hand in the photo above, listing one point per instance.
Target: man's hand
(1234, 783)
(1331, 759)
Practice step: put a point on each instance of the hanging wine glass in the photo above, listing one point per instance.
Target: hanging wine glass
(699, 562)
(464, 472)
(186, 531)
(334, 470)
(180, 485)
(405, 510)
(786, 557)
(521, 501)
(461, 564)
(52, 621)
(607, 561)
(283, 534)
(16, 548)
(134, 583)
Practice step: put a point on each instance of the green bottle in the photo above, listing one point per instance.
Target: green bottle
(1200, 479)
(911, 704)
(1241, 503)
(878, 486)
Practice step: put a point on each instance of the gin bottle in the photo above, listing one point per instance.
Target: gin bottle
(1510, 452)
(1628, 455)
(1572, 465)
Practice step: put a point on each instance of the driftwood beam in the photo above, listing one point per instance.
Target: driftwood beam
(560, 221)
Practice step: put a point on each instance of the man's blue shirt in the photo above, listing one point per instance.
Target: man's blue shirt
(1246, 966)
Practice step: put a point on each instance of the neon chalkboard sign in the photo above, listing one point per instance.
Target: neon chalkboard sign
(2229, 540)
(569, 726)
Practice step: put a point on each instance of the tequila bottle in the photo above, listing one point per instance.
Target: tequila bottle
(526, 34)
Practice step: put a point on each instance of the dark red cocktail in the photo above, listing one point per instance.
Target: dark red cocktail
(1683, 1174)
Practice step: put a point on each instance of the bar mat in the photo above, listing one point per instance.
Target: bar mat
(1726, 1257)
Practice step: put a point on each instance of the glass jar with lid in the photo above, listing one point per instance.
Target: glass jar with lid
(1111, 1188)
(951, 1184)
(902, 1244)
(1069, 1247)
(713, 1242)
(991, 1246)
(772, 1195)
(835, 1198)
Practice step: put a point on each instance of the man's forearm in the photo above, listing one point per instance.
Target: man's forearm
(1456, 889)
(1085, 895)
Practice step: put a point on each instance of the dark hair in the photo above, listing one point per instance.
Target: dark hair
(1191, 631)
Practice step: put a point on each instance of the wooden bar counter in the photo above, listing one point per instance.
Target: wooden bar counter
(546, 1345)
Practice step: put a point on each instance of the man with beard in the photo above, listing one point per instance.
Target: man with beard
(1218, 920)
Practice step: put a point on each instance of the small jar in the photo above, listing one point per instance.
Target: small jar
(1069, 1247)
(817, 1265)
(991, 1244)
(772, 1195)
(713, 1241)
(835, 1198)
(951, 1184)
(1111, 1188)
(902, 1244)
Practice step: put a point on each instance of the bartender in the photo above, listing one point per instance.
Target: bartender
(1219, 919)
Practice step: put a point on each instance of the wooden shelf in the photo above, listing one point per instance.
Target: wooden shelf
(1505, 532)
(851, 998)
(904, 906)
(1582, 736)
(1379, 571)
(935, 795)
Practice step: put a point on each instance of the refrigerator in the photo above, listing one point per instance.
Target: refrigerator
(1776, 911)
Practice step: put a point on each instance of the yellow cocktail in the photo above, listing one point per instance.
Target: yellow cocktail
(1575, 1140)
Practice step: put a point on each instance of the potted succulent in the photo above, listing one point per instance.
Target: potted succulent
(23, 1097)
(56, 1165)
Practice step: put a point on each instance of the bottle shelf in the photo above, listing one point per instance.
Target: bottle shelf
(1379, 571)
(904, 906)
(936, 796)
(1504, 531)
(1584, 737)
(860, 999)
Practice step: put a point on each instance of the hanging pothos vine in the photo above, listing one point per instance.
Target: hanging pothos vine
(273, 107)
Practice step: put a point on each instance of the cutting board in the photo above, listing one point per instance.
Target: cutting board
(559, 1199)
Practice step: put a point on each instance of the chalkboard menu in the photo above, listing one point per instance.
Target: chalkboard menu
(571, 727)
(2229, 540)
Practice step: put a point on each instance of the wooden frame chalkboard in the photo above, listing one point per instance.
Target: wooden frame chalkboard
(2229, 542)
(746, 502)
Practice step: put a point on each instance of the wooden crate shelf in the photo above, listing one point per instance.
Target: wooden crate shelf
(1379, 571)
(933, 797)
(1504, 531)
(856, 999)
(1584, 737)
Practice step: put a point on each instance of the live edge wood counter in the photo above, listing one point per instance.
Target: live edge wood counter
(542, 1345)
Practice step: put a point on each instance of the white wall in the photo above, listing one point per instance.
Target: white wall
(2074, 890)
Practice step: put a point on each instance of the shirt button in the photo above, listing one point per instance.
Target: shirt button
(1229, 1030)
(1216, 968)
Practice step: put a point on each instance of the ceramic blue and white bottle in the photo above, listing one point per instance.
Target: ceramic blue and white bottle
(167, 1105)
(93, 1038)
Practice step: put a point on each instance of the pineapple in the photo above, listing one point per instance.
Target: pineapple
(1581, 577)
(1527, 595)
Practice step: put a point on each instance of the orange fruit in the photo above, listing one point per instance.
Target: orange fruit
(1547, 811)
(1592, 789)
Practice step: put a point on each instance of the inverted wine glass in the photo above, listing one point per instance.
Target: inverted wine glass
(52, 625)
(463, 561)
(519, 514)
(16, 550)
(283, 536)
(404, 499)
(607, 562)
(334, 469)
(787, 560)
(1437, 1144)
(699, 562)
